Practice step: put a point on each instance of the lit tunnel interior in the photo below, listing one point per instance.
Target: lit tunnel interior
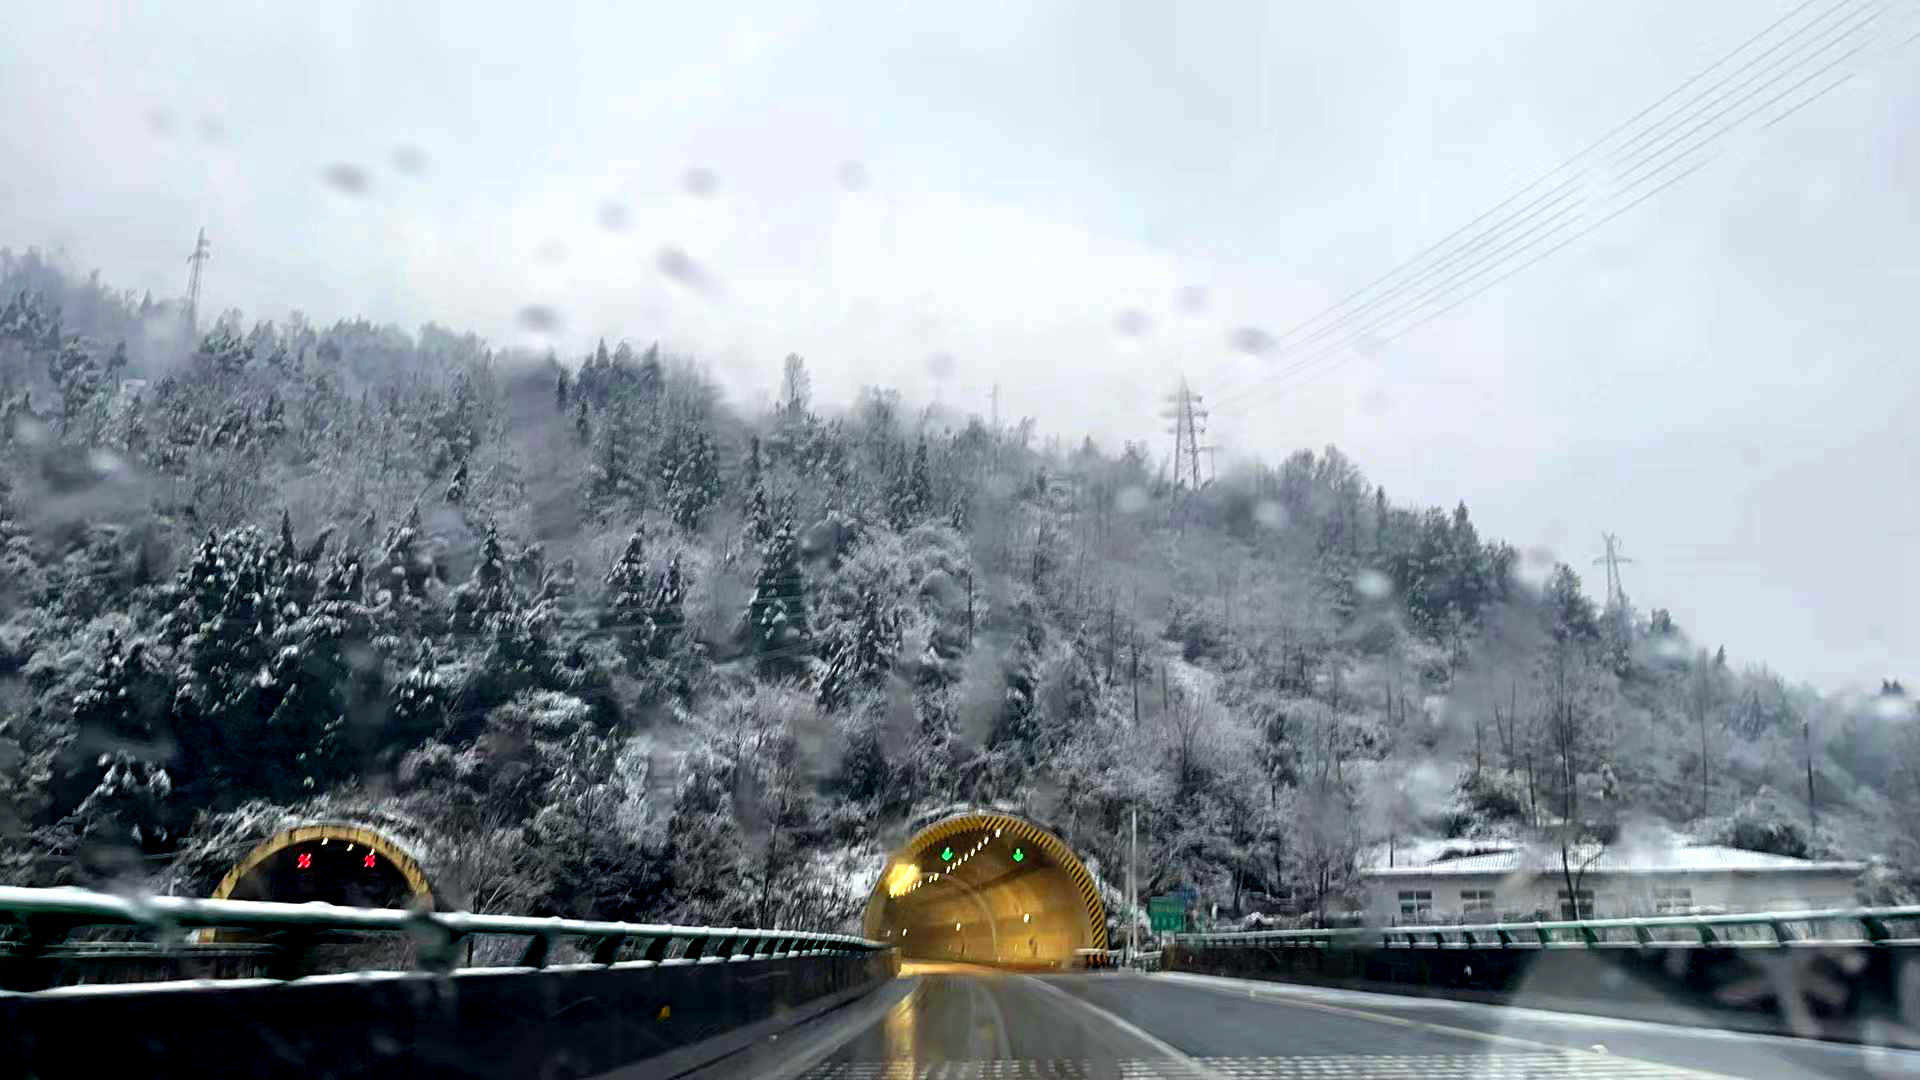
(987, 888)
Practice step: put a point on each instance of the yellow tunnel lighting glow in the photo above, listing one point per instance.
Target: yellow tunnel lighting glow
(901, 878)
(1034, 874)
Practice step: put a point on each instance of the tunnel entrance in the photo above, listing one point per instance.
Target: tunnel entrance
(336, 864)
(987, 888)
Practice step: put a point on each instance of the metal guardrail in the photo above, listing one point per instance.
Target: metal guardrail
(44, 918)
(1876, 926)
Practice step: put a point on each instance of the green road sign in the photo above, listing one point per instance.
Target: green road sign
(1167, 913)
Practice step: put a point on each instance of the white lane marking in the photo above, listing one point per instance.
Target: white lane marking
(1172, 1053)
(1235, 986)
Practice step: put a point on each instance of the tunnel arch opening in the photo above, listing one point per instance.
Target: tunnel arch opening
(987, 887)
(333, 863)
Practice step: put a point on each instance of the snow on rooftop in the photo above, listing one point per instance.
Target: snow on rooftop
(1643, 859)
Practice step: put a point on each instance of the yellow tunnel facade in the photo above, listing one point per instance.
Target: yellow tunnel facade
(987, 888)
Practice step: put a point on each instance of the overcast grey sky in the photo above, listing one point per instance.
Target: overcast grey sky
(1723, 376)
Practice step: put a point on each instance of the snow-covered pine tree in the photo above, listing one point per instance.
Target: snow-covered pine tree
(777, 627)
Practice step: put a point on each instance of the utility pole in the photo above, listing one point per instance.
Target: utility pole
(1133, 881)
(195, 260)
(1616, 596)
(1813, 814)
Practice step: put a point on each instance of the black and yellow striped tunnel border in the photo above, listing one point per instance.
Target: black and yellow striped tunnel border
(884, 909)
(335, 862)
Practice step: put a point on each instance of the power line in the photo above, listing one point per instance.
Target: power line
(1545, 215)
(1551, 202)
(1543, 177)
(1277, 381)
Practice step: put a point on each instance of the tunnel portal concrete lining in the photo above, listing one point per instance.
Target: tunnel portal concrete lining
(987, 887)
(335, 862)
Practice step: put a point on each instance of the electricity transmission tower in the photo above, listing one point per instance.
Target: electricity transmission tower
(195, 260)
(1189, 423)
(1616, 596)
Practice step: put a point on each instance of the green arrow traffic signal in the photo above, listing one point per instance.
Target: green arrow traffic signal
(946, 855)
(1019, 855)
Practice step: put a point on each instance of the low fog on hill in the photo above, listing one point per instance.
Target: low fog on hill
(636, 652)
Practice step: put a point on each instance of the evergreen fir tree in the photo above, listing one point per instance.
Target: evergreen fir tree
(777, 628)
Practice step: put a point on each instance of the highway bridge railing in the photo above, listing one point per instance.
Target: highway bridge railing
(1871, 926)
(1857, 968)
(47, 926)
(573, 997)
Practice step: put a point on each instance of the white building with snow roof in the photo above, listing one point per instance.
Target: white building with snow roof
(1494, 882)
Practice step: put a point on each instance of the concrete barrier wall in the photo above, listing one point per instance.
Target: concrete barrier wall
(560, 1022)
(1839, 992)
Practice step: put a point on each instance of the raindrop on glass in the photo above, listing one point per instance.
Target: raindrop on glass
(1251, 340)
(1372, 584)
(1132, 500)
(700, 183)
(1132, 323)
(1191, 299)
(345, 178)
(941, 366)
(853, 177)
(614, 217)
(409, 160)
(1271, 514)
(539, 318)
(679, 266)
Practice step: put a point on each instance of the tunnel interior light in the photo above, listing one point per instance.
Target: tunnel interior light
(996, 834)
(1026, 916)
(956, 927)
(902, 879)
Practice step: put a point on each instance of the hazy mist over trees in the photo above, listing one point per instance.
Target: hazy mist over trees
(600, 644)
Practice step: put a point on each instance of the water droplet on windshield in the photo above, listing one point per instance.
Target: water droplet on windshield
(1132, 323)
(345, 178)
(551, 252)
(1191, 299)
(1271, 514)
(1251, 340)
(680, 267)
(700, 183)
(1375, 402)
(1372, 584)
(539, 318)
(853, 177)
(160, 121)
(1132, 500)
(409, 160)
(941, 365)
(212, 130)
(614, 217)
